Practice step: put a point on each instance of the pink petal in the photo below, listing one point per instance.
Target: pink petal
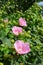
(21, 47)
(22, 22)
(16, 30)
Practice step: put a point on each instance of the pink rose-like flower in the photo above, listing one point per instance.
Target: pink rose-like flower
(16, 30)
(22, 22)
(21, 47)
(5, 20)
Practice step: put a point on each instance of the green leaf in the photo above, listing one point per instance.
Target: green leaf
(7, 42)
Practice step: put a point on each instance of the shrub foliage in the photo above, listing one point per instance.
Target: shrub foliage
(13, 5)
(33, 34)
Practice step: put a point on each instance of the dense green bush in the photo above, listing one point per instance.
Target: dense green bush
(33, 34)
(13, 5)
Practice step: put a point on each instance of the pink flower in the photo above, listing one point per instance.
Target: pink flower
(21, 47)
(22, 22)
(5, 20)
(16, 30)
